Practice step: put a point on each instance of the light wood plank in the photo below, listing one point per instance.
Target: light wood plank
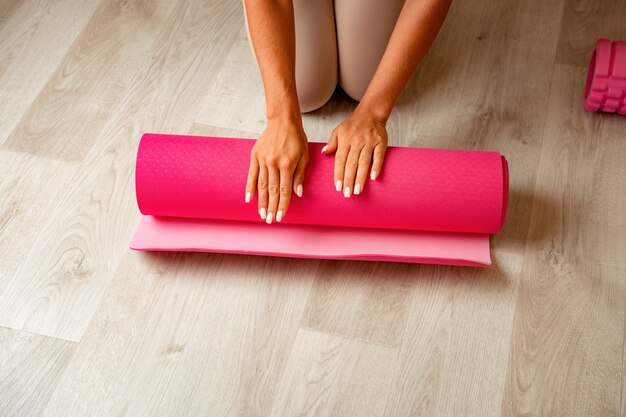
(30, 367)
(200, 129)
(36, 35)
(188, 334)
(567, 342)
(584, 21)
(424, 115)
(452, 360)
(30, 186)
(505, 96)
(334, 376)
(93, 78)
(363, 300)
(62, 280)
(624, 372)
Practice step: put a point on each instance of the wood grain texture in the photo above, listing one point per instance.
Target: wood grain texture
(568, 331)
(452, 360)
(29, 187)
(362, 300)
(93, 78)
(70, 265)
(334, 376)
(540, 333)
(504, 99)
(188, 334)
(583, 22)
(30, 366)
(36, 35)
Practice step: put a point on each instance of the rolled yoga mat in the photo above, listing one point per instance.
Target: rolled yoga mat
(427, 206)
(605, 89)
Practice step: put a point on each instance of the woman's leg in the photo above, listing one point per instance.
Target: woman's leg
(364, 28)
(316, 52)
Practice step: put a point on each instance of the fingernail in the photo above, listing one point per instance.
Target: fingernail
(346, 192)
(324, 148)
(299, 190)
(248, 197)
(269, 218)
(373, 175)
(279, 216)
(263, 213)
(357, 188)
(338, 185)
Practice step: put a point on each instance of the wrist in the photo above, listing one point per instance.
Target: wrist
(282, 103)
(284, 115)
(369, 110)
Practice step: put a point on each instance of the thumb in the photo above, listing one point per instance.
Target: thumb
(331, 146)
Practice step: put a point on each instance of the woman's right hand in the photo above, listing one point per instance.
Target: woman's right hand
(277, 164)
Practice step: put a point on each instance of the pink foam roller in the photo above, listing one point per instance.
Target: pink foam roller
(605, 88)
(428, 205)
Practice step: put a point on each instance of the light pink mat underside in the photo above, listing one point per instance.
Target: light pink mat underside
(428, 206)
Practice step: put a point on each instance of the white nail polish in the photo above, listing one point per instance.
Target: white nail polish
(338, 187)
(373, 175)
(248, 196)
(346, 192)
(263, 211)
(270, 215)
(324, 148)
(299, 190)
(279, 215)
(357, 188)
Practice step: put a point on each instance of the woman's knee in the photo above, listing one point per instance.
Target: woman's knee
(313, 94)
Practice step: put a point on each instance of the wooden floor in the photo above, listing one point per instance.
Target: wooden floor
(91, 328)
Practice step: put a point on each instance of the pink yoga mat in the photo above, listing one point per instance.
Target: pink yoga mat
(427, 205)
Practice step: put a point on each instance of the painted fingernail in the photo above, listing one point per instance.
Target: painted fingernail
(248, 196)
(324, 148)
(373, 175)
(279, 215)
(263, 211)
(270, 216)
(346, 192)
(299, 190)
(338, 187)
(357, 188)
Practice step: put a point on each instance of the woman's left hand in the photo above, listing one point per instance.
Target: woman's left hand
(358, 140)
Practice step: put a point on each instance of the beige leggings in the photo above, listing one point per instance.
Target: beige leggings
(338, 41)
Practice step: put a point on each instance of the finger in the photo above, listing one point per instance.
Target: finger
(352, 163)
(262, 190)
(331, 146)
(298, 176)
(379, 156)
(273, 192)
(286, 181)
(340, 165)
(253, 174)
(365, 159)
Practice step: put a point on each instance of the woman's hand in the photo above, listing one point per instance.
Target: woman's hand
(277, 164)
(358, 140)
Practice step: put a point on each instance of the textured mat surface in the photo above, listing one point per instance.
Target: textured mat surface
(605, 89)
(428, 205)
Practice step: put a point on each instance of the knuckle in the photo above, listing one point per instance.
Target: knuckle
(273, 189)
(262, 185)
(285, 163)
(352, 163)
(285, 190)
